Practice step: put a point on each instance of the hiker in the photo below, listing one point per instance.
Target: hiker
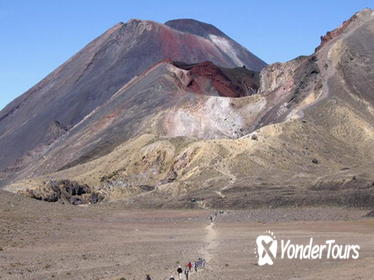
(147, 277)
(172, 278)
(211, 218)
(186, 273)
(180, 271)
(195, 266)
(189, 265)
(199, 263)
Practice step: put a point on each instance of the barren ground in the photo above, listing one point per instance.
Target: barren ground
(41, 240)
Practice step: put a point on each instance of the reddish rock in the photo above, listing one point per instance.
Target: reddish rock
(330, 35)
(235, 82)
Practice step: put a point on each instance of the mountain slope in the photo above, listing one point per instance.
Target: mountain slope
(306, 137)
(93, 75)
(148, 104)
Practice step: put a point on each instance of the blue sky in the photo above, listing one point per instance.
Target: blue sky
(37, 36)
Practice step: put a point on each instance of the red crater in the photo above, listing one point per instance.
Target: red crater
(228, 82)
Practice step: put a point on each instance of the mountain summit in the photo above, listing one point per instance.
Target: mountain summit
(227, 46)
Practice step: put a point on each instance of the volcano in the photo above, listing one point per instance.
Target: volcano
(33, 121)
(179, 115)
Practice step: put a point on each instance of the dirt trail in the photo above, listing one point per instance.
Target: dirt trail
(210, 239)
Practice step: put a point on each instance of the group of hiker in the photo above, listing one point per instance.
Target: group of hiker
(200, 263)
(191, 266)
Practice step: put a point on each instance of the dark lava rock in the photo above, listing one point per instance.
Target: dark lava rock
(65, 190)
(254, 137)
(146, 188)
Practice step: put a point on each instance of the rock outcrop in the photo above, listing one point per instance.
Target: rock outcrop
(64, 191)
